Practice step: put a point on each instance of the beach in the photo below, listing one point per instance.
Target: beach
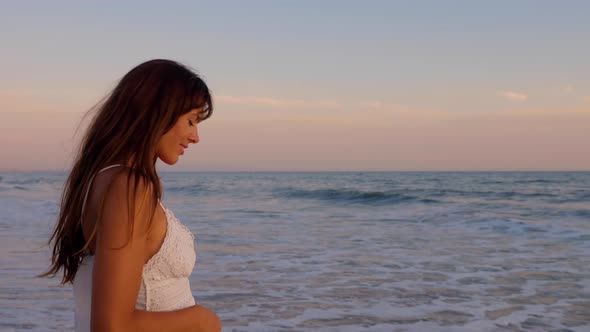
(343, 251)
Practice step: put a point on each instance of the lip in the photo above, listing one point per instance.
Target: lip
(182, 149)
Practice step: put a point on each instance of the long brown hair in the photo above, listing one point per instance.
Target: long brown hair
(127, 126)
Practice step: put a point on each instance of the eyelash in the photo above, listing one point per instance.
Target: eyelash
(191, 123)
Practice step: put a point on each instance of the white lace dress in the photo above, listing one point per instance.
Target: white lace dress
(164, 282)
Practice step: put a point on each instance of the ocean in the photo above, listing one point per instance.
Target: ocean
(343, 251)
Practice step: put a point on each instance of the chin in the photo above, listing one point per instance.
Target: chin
(169, 160)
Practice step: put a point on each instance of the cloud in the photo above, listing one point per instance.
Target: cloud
(515, 96)
(47, 100)
(368, 113)
(307, 107)
(567, 89)
(278, 103)
(377, 105)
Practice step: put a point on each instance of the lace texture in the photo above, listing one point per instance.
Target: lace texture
(164, 282)
(165, 285)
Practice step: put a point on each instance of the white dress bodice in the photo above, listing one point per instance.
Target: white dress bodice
(164, 281)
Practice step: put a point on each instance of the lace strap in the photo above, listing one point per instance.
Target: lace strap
(89, 252)
(90, 184)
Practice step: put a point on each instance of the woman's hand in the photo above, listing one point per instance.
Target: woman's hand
(120, 255)
(208, 320)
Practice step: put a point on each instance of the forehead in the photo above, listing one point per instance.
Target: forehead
(193, 112)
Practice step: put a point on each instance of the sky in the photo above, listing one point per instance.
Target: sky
(314, 85)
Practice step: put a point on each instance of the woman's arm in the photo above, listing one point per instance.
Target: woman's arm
(120, 254)
(194, 318)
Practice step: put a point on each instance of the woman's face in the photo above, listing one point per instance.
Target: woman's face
(176, 140)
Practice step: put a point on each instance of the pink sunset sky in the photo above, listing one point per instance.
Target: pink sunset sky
(306, 88)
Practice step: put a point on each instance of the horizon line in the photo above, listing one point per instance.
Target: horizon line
(329, 171)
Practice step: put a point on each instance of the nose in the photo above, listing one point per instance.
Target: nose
(194, 137)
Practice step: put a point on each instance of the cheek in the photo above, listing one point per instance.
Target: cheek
(167, 140)
(184, 130)
(179, 133)
(173, 135)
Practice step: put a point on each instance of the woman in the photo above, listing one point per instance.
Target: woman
(127, 256)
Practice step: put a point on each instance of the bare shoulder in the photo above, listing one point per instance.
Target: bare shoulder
(127, 205)
(122, 181)
(122, 244)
